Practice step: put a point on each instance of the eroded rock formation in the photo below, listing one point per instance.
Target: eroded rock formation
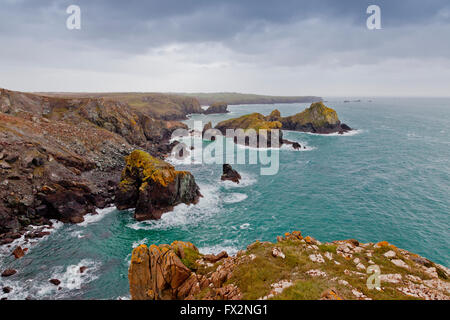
(295, 267)
(62, 157)
(153, 186)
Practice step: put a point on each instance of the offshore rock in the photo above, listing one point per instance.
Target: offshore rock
(153, 186)
(285, 271)
(318, 118)
(218, 107)
(230, 174)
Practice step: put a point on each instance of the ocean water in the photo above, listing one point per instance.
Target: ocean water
(388, 180)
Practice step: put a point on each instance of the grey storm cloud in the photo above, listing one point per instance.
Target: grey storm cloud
(255, 33)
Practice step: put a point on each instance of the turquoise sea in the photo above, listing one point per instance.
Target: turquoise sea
(389, 180)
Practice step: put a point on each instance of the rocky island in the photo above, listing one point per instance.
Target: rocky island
(293, 268)
(318, 118)
(153, 186)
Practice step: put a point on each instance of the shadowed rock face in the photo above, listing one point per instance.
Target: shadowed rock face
(218, 107)
(61, 158)
(153, 186)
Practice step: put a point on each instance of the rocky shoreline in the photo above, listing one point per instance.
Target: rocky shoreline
(293, 268)
(62, 157)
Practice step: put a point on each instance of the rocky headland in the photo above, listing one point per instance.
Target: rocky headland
(293, 268)
(62, 157)
(318, 118)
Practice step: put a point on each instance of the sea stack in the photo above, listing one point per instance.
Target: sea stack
(153, 186)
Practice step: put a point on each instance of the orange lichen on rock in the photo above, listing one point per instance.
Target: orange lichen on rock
(139, 274)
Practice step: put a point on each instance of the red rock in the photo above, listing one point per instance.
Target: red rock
(83, 269)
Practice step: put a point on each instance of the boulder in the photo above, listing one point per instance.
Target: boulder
(153, 186)
(230, 174)
(253, 130)
(8, 272)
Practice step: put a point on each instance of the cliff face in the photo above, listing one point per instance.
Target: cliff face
(60, 158)
(292, 268)
(153, 186)
(233, 98)
(218, 107)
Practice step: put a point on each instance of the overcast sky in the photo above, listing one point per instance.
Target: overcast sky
(284, 47)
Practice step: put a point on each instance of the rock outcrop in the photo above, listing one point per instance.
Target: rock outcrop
(177, 271)
(295, 267)
(153, 186)
(228, 173)
(218, 107)
(253, 130)
(62, 157)
(316, 119)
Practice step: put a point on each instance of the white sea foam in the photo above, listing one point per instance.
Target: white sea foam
(183, 214)
(234, 197)
(337, 134)
(96, 217)
(39, 287)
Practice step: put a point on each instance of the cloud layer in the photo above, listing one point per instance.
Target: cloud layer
(274, 47)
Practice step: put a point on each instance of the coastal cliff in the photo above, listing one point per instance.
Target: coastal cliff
(293, 268)
(256, 122)
(62, 157)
